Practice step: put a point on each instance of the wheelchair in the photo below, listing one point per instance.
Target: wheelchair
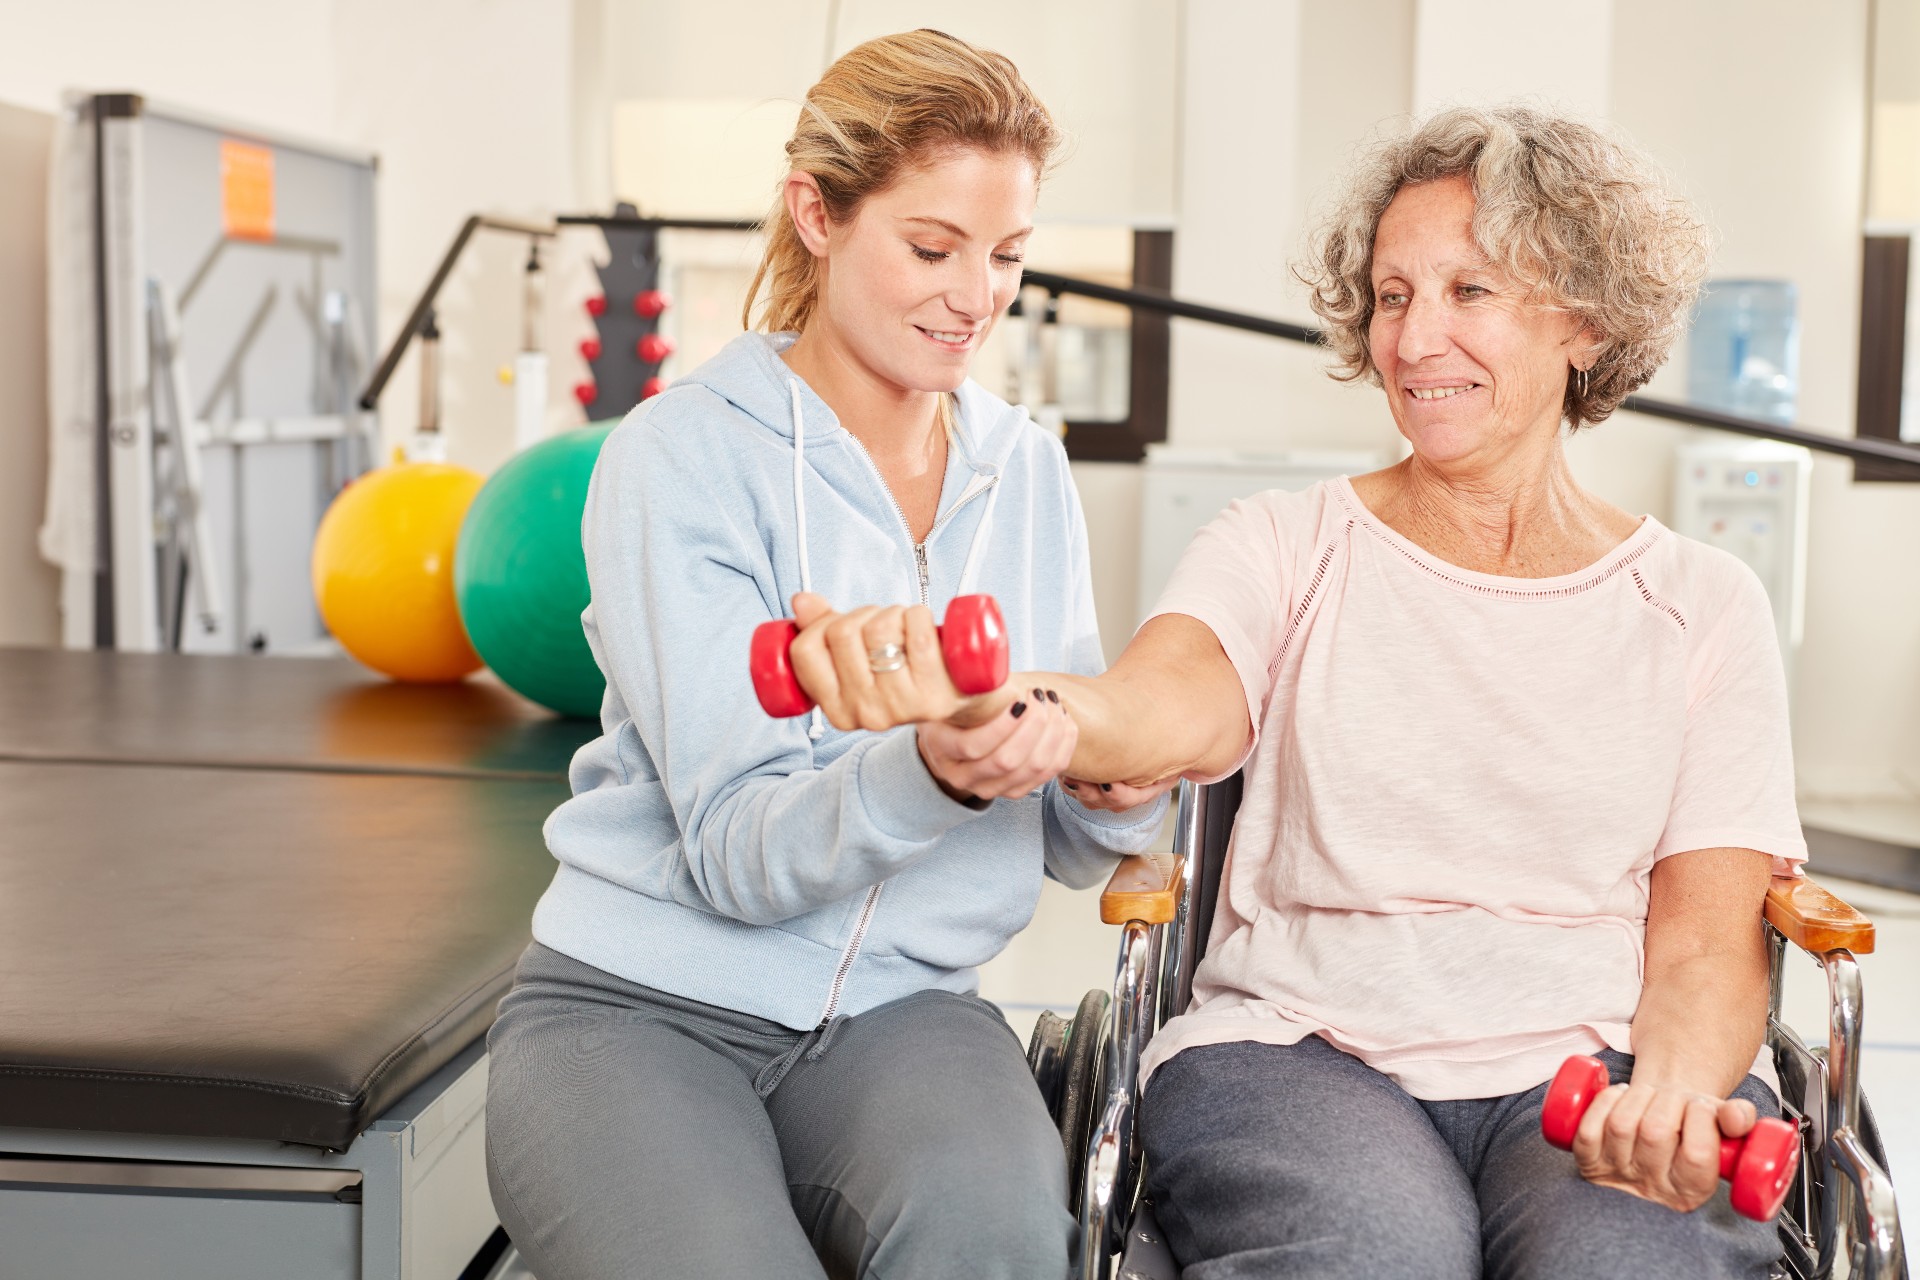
(1839, 1220)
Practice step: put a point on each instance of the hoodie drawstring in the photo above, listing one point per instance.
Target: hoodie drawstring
(812, 1045)
(825, 1041)
(978, 549)
(815, 726)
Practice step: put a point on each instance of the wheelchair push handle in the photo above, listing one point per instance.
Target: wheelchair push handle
(973, 643)
(1759, 1166)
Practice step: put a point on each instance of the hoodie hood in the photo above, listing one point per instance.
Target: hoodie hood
(749, 374)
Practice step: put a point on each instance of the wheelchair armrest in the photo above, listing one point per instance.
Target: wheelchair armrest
(1144, 887)
(1814, 920)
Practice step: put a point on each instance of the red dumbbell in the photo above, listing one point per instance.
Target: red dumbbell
(585, 392)
(652, 387)
(1760, 1166)
(597, 305)
(649, 303)
(973, 641)
(654, 348)
(590, 348)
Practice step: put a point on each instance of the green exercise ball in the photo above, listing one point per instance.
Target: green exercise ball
(521, 578)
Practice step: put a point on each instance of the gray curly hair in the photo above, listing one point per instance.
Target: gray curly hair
(1590, 225)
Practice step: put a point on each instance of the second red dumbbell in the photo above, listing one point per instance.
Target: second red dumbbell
(1760, 1166)
(973, 641)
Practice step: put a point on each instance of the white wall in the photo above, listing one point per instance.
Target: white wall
(1277, 94)
(1105, 68)
(266, 64)
(1110, 494)
(1485, 51)
(471, 109)
(29, 587)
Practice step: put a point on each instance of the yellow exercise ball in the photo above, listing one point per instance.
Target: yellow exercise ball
(383, 570)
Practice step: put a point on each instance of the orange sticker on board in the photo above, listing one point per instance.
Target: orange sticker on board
(246, 190)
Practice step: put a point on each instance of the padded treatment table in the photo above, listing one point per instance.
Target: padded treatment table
(274, 713)
(251, 955)
(255, 914)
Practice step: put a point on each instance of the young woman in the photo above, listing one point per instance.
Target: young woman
(745, 1041)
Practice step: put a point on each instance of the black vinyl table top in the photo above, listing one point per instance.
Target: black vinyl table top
(255, 897)
(270, 712)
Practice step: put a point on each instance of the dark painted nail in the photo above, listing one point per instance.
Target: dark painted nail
(1039, 695)
(1019, 709)
(1071, 786)
(1053, 697)
(1106, 786)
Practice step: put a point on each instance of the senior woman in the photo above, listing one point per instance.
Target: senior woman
(1517, 767)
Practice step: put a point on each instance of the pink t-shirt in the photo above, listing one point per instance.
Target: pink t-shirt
(1459, 784)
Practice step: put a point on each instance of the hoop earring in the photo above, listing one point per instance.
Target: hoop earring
(1583, 383)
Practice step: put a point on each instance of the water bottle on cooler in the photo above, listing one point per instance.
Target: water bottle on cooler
(1744, 350)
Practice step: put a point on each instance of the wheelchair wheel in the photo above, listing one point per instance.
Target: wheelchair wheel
(1870, 1139)
(1870, 1135)
(1047, 1058)
(1080, 1085)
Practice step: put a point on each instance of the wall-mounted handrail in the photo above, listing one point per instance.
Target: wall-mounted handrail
(1169, 305)
(671, 224)
(1860, 449)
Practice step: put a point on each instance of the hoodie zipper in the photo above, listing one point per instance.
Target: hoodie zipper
(920, 548)
(852, 952)
(848, 956)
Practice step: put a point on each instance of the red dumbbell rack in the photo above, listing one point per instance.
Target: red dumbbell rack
(624, 360)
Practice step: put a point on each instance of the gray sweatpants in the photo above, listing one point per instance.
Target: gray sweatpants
(631, 1133)
(1303, 1161)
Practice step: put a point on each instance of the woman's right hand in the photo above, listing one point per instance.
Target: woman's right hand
(1658, 1142)
(832, 659)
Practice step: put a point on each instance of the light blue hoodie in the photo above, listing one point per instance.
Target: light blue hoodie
(783, 868)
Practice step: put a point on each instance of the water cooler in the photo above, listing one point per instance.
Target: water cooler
(1750, 498)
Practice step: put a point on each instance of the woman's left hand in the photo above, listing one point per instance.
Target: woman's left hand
(1116, 796)
(1658, 1142)
(1008, 756)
